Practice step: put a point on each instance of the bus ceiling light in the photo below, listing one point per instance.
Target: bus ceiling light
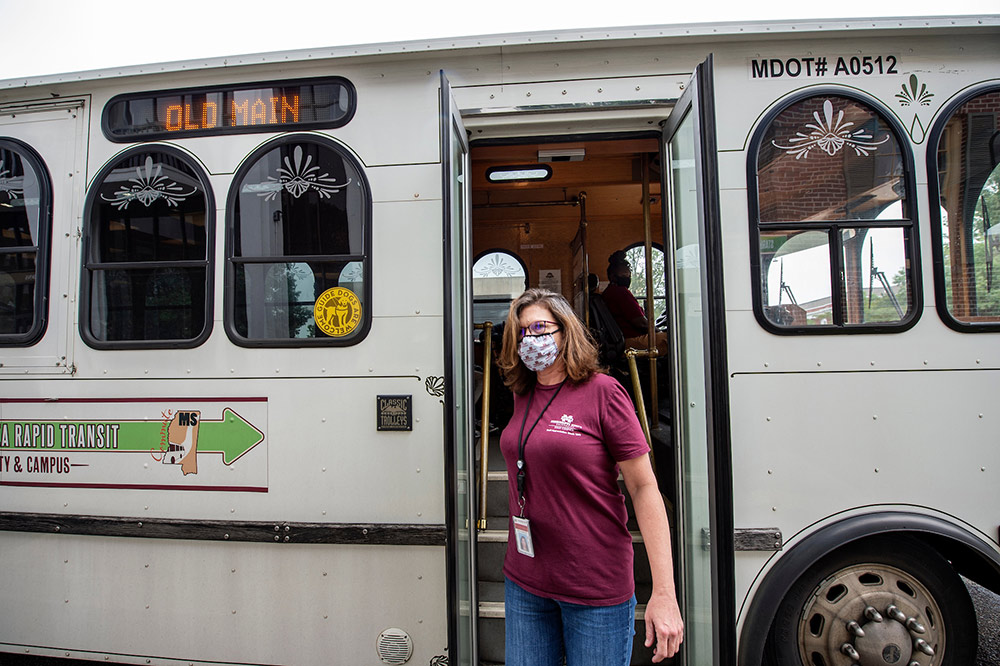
(514, 174)
(562, 155)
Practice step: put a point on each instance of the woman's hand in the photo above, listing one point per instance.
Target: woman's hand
(664, 626)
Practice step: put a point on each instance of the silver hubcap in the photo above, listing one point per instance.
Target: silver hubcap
(871, 615)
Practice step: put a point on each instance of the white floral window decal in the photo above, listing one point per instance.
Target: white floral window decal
(12, 187)
(298, 177)
(830, 135)
(497, 264)
(149, 186)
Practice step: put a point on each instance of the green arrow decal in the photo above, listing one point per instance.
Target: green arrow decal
(232, 436)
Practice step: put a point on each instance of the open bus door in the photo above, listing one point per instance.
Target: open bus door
(458, 332)
(701, 421)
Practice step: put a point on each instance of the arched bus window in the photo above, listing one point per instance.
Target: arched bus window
(148, 239)
(25, 221)
(298, 246)
(498, 277)
(636, 255)
(964, 151)
(832, 230)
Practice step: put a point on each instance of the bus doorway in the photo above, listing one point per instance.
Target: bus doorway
(550, 214)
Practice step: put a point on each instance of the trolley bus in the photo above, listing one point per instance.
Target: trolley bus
(248, 313)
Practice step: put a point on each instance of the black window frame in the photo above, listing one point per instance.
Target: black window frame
(87, 265)
(42, 249)
(934, 197)
(229, 300)
(908, 223)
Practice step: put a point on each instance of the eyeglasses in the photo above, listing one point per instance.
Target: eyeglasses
(540, 327)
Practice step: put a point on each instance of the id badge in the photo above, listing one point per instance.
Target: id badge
(522, 536)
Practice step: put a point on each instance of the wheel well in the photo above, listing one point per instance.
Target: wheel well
(968, 554)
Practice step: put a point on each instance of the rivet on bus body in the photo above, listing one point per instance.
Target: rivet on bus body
(528, 94)
(371, 369)
(146, 465)
(980, 416)
(416, 195)
(874, 417)
(326, 617)
(873, 364)
(226, 537)
(276, 538)
(769, 418)
(978, 361)
(770, 471)
(600, 90)
(819, 364)
(876, 470)
(324, 469)
(563, 92)
(692, 404)
(774, 508)
(323, 420)
(925, 362)
(416, 312)
(982, 469)
(145, 508)
(766, 364)
(234, 611)
(418, 470)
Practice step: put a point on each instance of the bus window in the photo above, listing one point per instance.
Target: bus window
(298, 246)
(833, 218)
(25, 217)
(147, 275)
(967, 231)
(636, 255)
(498, 277)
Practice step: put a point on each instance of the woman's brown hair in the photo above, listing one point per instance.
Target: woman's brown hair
(577, 351)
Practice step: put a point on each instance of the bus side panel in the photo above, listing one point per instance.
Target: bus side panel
(242, 603)
(908, 439)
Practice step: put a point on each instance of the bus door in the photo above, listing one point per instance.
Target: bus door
(701, 431)
(458, 338)
(41, 182)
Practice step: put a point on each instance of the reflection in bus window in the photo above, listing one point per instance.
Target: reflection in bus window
(498, 278)
(300, 227)
(147, 273)
(25, 216)
(968, 165)
(821, 162)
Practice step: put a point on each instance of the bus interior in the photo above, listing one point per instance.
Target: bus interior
(548, 214)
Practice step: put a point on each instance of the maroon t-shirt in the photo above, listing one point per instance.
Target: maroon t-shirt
(624, 308)
(583, 550)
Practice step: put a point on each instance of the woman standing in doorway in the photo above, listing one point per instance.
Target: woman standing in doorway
(569, 587)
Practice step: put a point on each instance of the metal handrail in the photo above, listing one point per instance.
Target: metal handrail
(484, 435)
(631, 355)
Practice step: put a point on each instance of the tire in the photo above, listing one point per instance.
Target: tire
(825, 618)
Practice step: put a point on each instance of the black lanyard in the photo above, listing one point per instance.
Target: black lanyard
(522, 440)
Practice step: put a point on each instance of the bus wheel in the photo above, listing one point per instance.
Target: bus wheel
(886, 601)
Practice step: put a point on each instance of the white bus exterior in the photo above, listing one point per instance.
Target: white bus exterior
(199, 464)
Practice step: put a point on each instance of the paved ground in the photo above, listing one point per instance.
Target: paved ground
(988, 611)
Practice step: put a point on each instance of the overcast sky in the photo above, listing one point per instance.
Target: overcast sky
(53, 36)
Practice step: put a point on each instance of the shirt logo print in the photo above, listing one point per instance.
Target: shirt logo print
(564, 425)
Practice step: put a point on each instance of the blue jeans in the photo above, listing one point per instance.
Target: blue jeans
(540, 631)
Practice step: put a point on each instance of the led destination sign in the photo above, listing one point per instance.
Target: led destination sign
(254, 107)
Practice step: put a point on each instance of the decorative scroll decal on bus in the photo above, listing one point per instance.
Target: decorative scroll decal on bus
(819, 67)
(12, 187)
(298, 178)
(830, 135)
(142, 443)
(337, 312)
(910, 95)
(251, 107)
(148, 186)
